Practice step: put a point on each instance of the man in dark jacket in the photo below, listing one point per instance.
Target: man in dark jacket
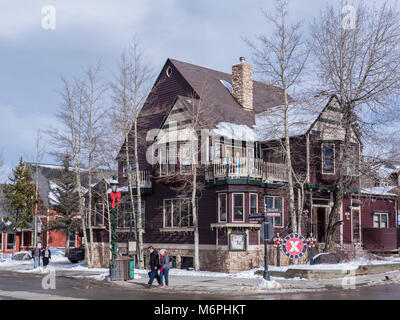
(154, 266)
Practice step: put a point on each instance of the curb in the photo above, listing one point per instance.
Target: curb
(312, 274)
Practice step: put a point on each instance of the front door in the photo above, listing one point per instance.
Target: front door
(320, 216)
(356, 226)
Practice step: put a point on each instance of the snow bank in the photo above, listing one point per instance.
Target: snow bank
(264, 284)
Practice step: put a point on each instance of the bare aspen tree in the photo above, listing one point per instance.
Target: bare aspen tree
(93, 130)
(357, 58)
(38, 158)
(69, 139)
(130, 90)
(281, 59)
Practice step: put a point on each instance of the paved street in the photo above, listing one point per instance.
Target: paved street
(28, 286)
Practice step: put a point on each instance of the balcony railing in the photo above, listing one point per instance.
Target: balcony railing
(144, 179)
(246, 168)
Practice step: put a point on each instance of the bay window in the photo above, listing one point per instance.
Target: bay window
(222, 207)
(238, 207)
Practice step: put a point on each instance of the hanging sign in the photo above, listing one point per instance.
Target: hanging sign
(294, 246)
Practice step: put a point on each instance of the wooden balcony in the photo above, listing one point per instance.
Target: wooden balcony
(241, 168)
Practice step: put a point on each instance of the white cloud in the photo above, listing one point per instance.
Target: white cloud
(18, 133)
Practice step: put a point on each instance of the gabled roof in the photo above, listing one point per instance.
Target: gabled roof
(49, 175)
(215, 94)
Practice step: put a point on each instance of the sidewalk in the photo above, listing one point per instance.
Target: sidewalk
(290, 279)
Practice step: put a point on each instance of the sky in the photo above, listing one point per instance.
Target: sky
(32, 59)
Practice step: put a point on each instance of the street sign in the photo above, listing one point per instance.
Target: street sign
(267, 231)
(273, 214)
(294, 246)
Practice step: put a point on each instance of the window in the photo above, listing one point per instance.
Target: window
(328, 158)
(10, 241)
(238, 207)
(253, 203)
(234, 153)
(125, 212)
(167, 159)
(274, 155)
(185, 157)
(1, 241)
(99, 214)
(178, 213)
(275, 203)
(125, 169)
(187, 262)
(381, 220)
(222, 207)
(72, 240)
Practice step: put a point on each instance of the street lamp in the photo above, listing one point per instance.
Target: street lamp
(115, 195)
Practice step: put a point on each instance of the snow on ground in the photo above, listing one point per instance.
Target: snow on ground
(60, 262)
(264, 284)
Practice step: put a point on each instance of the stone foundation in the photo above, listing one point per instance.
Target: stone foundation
(231, 261)
(101, 255)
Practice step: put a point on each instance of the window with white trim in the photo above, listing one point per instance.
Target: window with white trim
(10, 241)
(185, 157)
(238, 207)
(72, 240)
(125, 169)
(125, 214)
(328, 158)
(99, 214)
(253, 203)
(272, 202)
(222, 207)
(381, 220)
(178, 213)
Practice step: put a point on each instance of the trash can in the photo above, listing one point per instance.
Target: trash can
(130, 268)
(120, 269)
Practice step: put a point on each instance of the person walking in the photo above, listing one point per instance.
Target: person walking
(154, 266)
(36, 257)
(164, 267)
(46, 254)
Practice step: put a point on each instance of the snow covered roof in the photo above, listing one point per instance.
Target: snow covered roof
(269, 125)
(301, 116)
(379, 191)
(235, 131)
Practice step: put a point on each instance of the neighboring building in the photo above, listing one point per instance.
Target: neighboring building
(244, 171)
(48, 175)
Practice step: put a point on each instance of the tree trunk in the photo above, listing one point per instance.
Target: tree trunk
(292, 210)
(195, 221)
(139, 203)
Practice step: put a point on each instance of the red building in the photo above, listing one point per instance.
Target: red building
(243, 170)
(24, 238)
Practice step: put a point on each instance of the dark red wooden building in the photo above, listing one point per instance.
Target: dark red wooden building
(242, 169)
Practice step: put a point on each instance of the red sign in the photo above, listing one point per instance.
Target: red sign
(294, 246)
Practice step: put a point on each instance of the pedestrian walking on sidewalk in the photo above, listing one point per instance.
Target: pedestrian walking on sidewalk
(36, 257)
(164, 266)
(46, 254)
(154, 267)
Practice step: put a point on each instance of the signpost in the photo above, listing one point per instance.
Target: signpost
(267, 233)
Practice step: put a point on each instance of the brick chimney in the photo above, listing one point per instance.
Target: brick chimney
(242, 84)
